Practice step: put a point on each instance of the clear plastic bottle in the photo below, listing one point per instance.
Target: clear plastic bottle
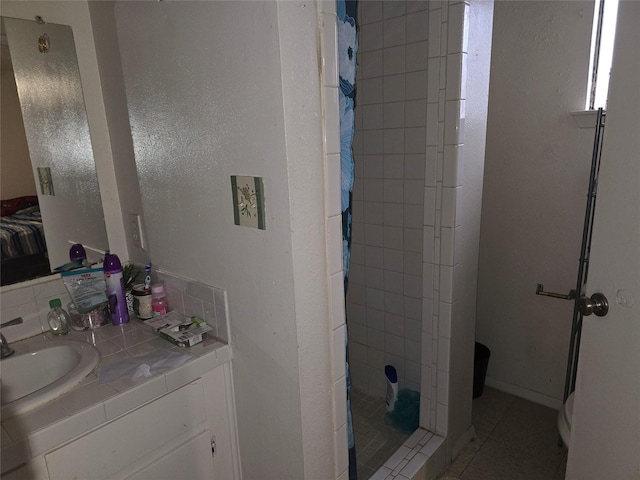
(58, 318)
(159, 301)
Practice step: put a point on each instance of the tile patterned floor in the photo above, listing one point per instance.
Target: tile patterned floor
(375, 440)
(516, 439)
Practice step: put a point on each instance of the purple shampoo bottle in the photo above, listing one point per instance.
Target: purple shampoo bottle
(115, 289)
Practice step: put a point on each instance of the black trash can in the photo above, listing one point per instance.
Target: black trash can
(480, 364)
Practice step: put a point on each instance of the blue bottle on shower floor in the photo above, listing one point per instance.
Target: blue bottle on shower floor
(392, 386)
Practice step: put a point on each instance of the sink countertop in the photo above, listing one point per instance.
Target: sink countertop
(91, 404)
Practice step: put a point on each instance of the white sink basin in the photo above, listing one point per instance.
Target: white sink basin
(43, 372)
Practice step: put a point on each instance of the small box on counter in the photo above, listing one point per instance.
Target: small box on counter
(179, 329)
(170, 319)
(187, 333)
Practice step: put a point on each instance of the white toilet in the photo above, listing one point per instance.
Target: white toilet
(564, 420)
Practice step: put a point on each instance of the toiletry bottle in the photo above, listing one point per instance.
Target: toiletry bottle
(77, 252)
(159, 301)
(58, 318)
(115, 289)
(392, 386)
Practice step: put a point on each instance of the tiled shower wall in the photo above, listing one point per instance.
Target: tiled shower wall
(406, 275)
(385, 289)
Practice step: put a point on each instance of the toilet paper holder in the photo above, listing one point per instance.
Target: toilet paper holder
(540, 291)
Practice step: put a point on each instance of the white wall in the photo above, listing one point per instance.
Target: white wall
(17, 175)
(234, 89)
(535, 184)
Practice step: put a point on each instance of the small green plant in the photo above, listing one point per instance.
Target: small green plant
(131, 274)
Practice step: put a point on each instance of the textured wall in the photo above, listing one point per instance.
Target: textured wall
(216, 89)
(17, 175)
(535, 185)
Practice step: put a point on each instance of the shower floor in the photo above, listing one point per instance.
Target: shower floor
(375, 440)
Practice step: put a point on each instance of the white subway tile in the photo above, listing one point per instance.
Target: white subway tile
(429, 205)
(428, 238)
(371, 64)
(334, 241)
(397, 457)
(413, 236)
(394, 60)
(443, 387)
(338, 353)
(393, 260)
(341, 450)
(371, 37)
(456, 27)
(393, 9)
(442, 419)
(373, 142)
(393, 237)
(443, 354)
(430, 169)
(413, 286)
(393, 114)
(381, 474)
(434, 33)
(415, 115)
(417, 26)
(372, 116)
(444, 319)
(329, 50)
(370, 93)
(375, 299)
(449, 207)
(432, 122)
(427, 315)
(417, 55)
(416, 85)
(414, 465)
(374, 278)
(446, 246)
(432, 445)
(395, 31)
(446, 284)
(393, 166)
(393, 214)
(337, 300)
(433, 79)
(333, 201)
(452, 154)
(454, 76)
(332, 120)
(394, 87)
(425, 412)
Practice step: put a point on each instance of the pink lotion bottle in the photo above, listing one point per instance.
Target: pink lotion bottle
(158, 300)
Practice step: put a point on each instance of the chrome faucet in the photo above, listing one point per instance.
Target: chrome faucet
(5, 349)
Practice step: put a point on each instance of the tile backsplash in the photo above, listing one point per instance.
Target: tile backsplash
(31, 302)
(190, 297)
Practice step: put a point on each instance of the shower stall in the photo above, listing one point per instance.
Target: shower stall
(420, 123)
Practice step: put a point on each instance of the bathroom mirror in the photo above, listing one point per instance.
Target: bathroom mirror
(47, 77)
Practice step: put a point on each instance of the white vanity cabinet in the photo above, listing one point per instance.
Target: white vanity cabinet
(187, 433)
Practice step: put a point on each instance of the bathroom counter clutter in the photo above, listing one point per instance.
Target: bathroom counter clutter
(136, 368)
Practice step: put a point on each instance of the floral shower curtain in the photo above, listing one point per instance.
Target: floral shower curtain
(347, 48)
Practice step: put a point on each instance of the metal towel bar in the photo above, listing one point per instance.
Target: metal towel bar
(540, 291)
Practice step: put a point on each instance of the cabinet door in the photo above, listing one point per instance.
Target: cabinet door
(132, 438)
(191, 459)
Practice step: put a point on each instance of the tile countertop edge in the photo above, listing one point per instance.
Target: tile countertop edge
(72, 423)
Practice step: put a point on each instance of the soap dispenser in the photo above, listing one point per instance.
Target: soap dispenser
(115, 289)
